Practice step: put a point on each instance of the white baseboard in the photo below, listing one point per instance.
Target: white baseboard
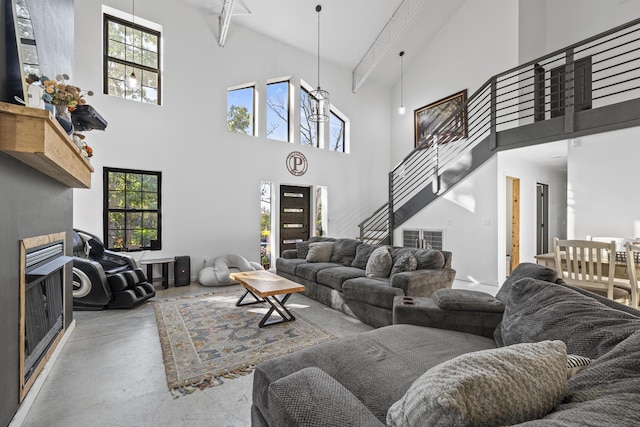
(26, 404)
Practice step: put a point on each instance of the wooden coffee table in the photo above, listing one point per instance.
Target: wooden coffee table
(265, 286)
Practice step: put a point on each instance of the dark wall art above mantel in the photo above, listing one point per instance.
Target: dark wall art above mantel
(427, 119)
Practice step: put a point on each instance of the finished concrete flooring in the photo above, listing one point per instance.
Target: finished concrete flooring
(110, 373)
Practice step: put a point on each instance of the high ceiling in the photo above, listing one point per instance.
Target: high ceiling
(347, 27)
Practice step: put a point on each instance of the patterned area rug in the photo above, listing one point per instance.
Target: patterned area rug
(206, 338)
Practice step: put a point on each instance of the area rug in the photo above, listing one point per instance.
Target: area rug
(206, 339)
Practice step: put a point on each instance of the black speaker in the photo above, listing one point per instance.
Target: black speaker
(182, 270)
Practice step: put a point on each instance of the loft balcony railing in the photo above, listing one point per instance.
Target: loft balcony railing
(589, 87)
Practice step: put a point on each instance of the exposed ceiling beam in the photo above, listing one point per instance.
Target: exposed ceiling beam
(392, 29)
(224, 20)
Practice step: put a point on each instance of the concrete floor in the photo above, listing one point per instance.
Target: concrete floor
(110, 373)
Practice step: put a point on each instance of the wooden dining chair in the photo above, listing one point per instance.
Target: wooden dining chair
(633, 255)
(586, 264)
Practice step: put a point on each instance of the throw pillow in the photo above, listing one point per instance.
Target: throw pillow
(363, 252)
(344, 251)
(320, 252)
(303, 249)
(576, 364)
(496, 387)
(380, 263)
(429, 259)
(407, 262)
(537, 310)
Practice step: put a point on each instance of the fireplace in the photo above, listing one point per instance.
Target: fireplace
(42, 278)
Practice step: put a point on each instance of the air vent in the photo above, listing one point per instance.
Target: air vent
(423, 238)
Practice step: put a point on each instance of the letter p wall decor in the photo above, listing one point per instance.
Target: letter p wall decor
(297, 163)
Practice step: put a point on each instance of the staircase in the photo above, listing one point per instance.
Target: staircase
(589, 87)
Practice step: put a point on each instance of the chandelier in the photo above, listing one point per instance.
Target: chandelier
(319, 105)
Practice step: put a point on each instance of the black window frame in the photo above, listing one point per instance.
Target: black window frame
(106, 209)
(106, 58)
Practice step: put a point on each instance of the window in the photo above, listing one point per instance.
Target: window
(308, 129)
(132, 209)
(278, 111)
(265, 223)
(336, 132)
(131, 48)
(321, 211)
(240, 110)
(28, 48)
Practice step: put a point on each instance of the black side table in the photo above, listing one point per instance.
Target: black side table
(165, 269)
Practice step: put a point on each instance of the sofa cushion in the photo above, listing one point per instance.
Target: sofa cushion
(371, 290)
(466, 300)
(302, 249)
(334, 277)
(428, 259)
(309, 270)
(492, 387)
(407, 262)
(314, 239)
(376, 366)
(380, 263)
(537, 310)
(363, 252)
(344, 251)
(320, 252)
(526, 269)
(288, 265)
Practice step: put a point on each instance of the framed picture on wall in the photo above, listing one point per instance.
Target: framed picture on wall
(428, 118)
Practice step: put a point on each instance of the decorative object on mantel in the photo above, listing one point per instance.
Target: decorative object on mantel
(62, 96)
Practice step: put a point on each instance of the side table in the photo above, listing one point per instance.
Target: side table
(165, 269)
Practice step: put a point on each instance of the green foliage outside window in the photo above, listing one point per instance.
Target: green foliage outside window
(132, 209)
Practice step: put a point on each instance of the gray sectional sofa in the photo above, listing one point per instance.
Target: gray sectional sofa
(340, 281)
(434, 372)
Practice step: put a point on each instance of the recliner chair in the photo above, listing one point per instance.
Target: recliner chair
(105, 279)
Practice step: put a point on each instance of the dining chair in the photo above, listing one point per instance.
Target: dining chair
(586, 264)
(633, 256)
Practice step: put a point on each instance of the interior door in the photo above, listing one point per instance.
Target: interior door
(542, 219)
(295, 215)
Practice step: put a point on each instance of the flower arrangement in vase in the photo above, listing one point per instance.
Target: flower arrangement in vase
(63, 96)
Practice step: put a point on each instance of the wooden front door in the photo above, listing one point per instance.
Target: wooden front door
(295, 215)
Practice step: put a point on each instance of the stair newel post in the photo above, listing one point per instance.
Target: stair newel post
(569, 92)
(493, 131)
(435, 184)
(391, 225)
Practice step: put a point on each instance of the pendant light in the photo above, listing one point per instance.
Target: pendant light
(402, 110)
(132, 80)
(319, 105)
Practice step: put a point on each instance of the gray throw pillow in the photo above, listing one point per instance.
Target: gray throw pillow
(344, 251)
(537, 310)
(320, 252)
(496, 387)
(363, 252)
(302, 248)
(407, 262)
(380, 263)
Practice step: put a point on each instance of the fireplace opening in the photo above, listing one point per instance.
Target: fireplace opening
(42, 296)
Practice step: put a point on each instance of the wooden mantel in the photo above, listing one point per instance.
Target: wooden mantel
(35, 137)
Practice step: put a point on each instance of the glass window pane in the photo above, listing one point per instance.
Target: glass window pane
(240, 110)
(149, 79)
(115, 239)
(29, 53)
(116, 87)
(336, 131)
(116, 220)
(116, 49)
(116, 199)
(149, 183)
(149, 59)
(22, 10)
(149, 95)
(25, 29)
(278, 111)
(116, 31)
(149, 200)
(150, 42)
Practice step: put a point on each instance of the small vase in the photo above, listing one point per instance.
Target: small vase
(63, 115)
(62, 111)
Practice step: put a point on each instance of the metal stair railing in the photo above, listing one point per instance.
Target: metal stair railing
(600, 71)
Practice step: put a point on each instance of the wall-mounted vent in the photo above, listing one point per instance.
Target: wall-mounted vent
(423, 238)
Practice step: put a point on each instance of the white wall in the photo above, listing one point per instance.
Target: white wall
(211, 177)
(571, 21)
(515, 164)
(603, 185)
